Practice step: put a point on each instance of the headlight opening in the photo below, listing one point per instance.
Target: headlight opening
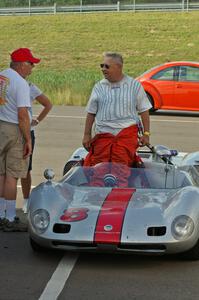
(40, 220)
(182, 227)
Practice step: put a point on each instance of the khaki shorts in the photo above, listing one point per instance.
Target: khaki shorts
(11, 151)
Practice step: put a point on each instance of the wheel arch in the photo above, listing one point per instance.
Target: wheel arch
(154, 94)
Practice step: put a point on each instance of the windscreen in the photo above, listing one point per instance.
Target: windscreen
(153, 176)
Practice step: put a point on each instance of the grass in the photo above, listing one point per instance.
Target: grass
(71, 46)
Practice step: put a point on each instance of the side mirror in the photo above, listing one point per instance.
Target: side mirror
(162, 150)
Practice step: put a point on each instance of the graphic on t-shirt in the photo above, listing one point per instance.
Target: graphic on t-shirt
(4, 81)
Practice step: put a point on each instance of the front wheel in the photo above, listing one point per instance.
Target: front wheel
(152, 109)
(36, 247)
(192, 254)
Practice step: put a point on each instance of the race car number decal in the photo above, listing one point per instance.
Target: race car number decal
(74, 214)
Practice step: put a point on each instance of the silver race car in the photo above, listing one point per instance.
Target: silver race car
(156, 213)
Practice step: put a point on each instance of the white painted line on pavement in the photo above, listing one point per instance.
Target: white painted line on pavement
(69, 117)
(59, 277)
(152, 119)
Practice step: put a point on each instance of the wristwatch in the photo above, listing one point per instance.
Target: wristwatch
(147, 133)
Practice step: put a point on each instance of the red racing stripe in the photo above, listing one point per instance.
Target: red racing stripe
(110, 219)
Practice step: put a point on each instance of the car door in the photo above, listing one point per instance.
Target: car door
(187, 88)
(164, 81)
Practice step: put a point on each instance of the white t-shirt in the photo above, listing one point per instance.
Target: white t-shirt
(15, 92)
(117, 105)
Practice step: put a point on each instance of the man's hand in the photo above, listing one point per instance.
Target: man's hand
(27, 149)
(144, 140)
(34, 122)
(86, 142)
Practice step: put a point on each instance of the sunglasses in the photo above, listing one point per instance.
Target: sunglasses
(104, 66)
(30, 63)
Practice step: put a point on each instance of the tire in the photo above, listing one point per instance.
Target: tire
(36, 247)
(68, 166)
(192, 254)
(151, 101)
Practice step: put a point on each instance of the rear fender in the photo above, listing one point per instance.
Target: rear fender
(191, 159)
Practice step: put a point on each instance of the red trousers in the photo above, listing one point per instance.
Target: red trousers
(120, 150)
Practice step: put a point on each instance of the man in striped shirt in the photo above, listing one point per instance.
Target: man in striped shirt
(114, 105)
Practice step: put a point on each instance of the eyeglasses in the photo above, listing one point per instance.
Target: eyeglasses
(104, 66)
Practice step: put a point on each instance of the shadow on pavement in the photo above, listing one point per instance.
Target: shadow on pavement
(177, 113)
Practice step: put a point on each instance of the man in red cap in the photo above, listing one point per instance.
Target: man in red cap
(15, 140)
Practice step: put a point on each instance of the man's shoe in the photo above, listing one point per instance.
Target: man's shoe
(3, 222)
(15, 226)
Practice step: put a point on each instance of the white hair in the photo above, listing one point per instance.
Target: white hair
(115, 56)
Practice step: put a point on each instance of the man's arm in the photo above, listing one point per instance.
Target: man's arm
(88, 131)
(144, 140)
(45, 102)
(24, 126)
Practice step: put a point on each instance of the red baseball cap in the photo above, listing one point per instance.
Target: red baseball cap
(22, 55)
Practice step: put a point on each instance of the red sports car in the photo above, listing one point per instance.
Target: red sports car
(173, 86)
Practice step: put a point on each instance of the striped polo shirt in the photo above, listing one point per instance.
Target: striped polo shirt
(116, 105)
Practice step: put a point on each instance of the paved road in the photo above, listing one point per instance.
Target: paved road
(27, 275)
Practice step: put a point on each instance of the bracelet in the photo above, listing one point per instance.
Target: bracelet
(37, 121)
(147, 133)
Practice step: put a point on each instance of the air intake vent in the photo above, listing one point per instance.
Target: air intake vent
(61, 228)
(76, 245)
(156, 231)
(142, 247)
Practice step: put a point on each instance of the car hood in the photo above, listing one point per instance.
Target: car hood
(110, 215)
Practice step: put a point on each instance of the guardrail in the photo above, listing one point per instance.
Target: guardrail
(33, 10)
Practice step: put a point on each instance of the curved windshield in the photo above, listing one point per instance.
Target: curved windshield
(153, 176)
